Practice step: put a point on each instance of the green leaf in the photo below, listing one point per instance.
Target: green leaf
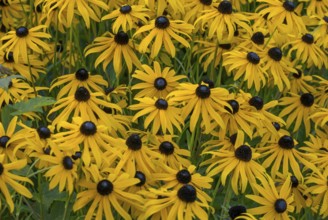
(32, 105)
(4, 82)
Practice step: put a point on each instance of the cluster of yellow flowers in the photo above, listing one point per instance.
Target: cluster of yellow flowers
(165, 109)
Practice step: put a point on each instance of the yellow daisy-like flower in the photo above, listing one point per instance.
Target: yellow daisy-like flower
(317, 185)
(240, 212)
(75, 80)
(298, 108)
(221, 20)
(274, 205)
(13, 9)
(127, 16)
(321, 94)
(320, 32)
(163, 29)
(319, 147)
(85, 104)
(163, 113)
(155, 81)
(182, 204)
(316, 7)
(240, 162)
(204, 101)
(118, 46)
(247, 64)
(7, 149)
(67, 9)
(107, 194)
(301, 83)
(62, 170)
(23, 39)
(307, 51)
(283, 13)
(194, 9)
(8, 178)
(159, 7)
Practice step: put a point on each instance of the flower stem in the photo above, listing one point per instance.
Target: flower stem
(227, 198)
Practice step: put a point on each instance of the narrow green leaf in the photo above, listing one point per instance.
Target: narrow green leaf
(32, 105)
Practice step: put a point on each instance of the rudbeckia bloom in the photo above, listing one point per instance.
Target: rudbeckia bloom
(205, 102)
(6, 148)
(298, 108)
(321, 94)
(107, 194)
(247, 64)
(155, 81)
(307, 51)
(240, 163)
(23, 39)
(91, 137)
(62, 170)
(278, 67)
(75, 80)
(13, 9)
(320, 33)
(184, 203)
(316, 7)
(317, 185)
(300, 83)
(160, 112)
(127, 16)
(240, 212)
(273, 204)
(319, 147)
(163, 29)
(221, 19)
(8, 178)
(85, 8)
(85, 104)
(118, 46)
(282, 154)
(283, 12)
(194, 9)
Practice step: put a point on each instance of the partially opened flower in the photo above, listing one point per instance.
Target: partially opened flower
(195, 8)
(7, 178)
(127, 16)
(240, 212)
(301, 83)
(162, 113)
(156, 82)
(23, 39)
(320, 32)
(163, 29)
(107, 194)
(299, 109)
(119, 46)
(274, 204)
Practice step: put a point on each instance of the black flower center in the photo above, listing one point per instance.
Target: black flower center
(225, 7)
(77, 155)
(225, 46)
(244, 153)
(308, 38)
(258, 38)
(280, 205)
(325, 18)
(82, 94)
(307, 99)
(257, 102)
(134, 142)
(206, 2)
(233, 139)
(298, 74)
(3, 28)
(3, 141)
(162, 22)
(47, 150)
(286, 142)
(59, 47)
(183, 176)
(68, 163)
(141, 176)
(105, 187)
(275, 53)
(125, 9)
(88, 128)
(121, 38)
(236, 211)
(10, 84)
(289, 6)
(44, 132)
(234, 105)
(4, 3)
(209, 82)
(1, 169)
(253, 58)
(276, 125)
(21, 31)
(82, 74)
(203, 91)
(294, 181)
(161, 104)
(109, 90)
(166, 148)
(9, 57)
(160, 83)
(187, 193)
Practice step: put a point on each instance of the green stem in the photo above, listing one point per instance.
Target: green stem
(213, 62)
(219, 78)
(70, 48)
(41, 197)
(66, 206)
(227, 198)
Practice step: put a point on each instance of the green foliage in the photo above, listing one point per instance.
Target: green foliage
(32, 105)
